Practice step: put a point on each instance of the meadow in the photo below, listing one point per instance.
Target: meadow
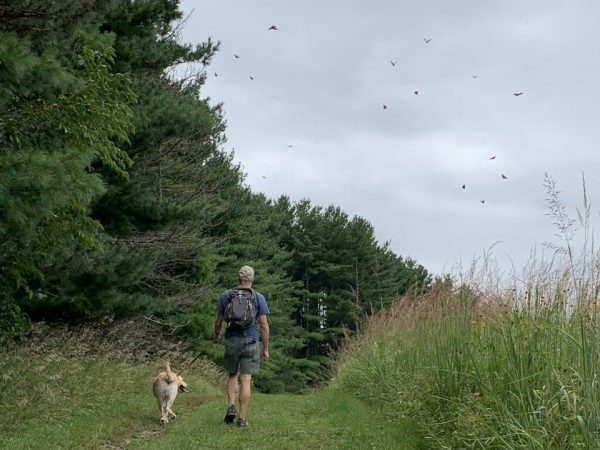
(483, 374)
(493, 361)
(66, 398)
(481, 361)
(460, 367)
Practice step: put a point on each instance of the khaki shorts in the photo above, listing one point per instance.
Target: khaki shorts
(241, 355)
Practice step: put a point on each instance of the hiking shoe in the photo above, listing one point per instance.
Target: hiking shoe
(242, 423)
(230, 415)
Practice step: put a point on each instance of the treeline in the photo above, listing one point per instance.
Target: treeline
(118, 200)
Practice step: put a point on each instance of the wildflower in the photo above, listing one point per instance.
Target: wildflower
(475, 323)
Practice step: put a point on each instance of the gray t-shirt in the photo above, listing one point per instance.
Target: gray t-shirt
(252, 332)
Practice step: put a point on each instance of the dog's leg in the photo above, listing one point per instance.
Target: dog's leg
(171, 414)
(164, 411)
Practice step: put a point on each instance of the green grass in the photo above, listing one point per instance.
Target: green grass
(480, 375)
(321, 420)
(441, 371)
(444, 371)
(56, 401)
(59, 402)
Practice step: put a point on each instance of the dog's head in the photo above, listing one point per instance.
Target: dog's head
(181, 385)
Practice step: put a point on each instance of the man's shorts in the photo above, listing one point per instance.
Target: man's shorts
(241, 355)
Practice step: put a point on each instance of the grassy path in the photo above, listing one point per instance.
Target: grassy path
(64, 403)
(316, 421)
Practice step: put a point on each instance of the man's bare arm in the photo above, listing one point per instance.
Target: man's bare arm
(218, 325)
(264, 332)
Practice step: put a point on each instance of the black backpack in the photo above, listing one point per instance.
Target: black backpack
(241, 308)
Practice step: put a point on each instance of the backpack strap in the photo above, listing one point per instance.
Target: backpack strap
(254, 300)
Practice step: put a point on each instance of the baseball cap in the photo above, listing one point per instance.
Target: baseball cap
(246, 273)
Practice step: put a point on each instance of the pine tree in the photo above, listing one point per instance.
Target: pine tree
(157, 222)
(345, 274)
(56, 122)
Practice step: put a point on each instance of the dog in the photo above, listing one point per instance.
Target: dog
(165, 387)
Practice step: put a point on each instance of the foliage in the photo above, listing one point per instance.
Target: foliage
(13, 323)
(55, 122)
(344, 273)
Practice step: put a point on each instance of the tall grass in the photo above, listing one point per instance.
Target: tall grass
(489, 361)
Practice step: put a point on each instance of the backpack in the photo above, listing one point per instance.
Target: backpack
(241, 308)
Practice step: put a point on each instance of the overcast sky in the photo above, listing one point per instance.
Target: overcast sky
(304, 106)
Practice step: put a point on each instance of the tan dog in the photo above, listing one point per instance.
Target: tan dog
(165, 387)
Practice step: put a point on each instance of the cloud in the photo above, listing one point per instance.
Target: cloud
(311, 124)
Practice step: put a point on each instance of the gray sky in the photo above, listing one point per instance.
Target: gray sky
(305, 114)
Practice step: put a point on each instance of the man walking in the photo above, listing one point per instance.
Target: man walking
(241, 308)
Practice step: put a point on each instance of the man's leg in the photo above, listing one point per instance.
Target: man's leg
(232, 388)
(249, 364)
(246, 384)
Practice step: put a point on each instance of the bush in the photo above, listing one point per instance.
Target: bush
(13, 323)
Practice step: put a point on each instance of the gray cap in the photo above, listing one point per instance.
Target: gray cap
(246, 273)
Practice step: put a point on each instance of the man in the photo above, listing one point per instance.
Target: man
(242, 353)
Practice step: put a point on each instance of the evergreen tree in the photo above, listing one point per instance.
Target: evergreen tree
(158, 221)
(55, 122)
(345, 274)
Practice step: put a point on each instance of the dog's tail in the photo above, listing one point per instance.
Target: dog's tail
(170, 375)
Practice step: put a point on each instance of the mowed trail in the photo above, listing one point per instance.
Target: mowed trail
(321, 420)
